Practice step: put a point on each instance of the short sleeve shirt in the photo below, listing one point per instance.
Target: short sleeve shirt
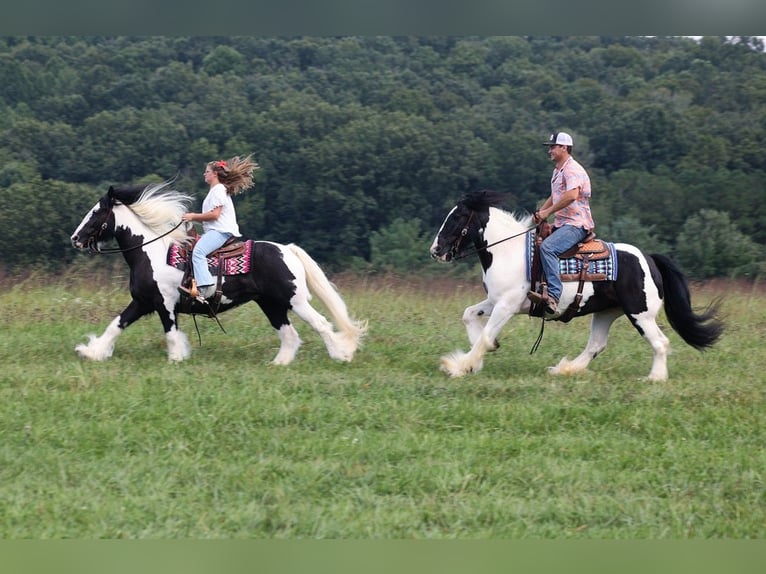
(227, 221)
(577, 213)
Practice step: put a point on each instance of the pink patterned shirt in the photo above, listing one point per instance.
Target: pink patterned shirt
(577, 213)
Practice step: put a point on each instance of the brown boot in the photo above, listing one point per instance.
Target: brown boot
(551, 307)
(550, 304)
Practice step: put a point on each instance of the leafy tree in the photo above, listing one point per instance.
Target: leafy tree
(37, 218)
(645, 139)
(52, 146)
(399, 246)
(120, 146)
(629, 229)
(224, 59)
(710, 245)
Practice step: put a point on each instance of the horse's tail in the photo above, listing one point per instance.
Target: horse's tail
(698, 330)
(322, 288)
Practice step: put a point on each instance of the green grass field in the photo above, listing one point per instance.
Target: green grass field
(225, 445)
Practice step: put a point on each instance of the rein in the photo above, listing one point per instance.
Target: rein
(92, 245)
(475, 251)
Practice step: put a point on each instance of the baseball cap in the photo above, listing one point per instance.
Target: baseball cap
(560, 138)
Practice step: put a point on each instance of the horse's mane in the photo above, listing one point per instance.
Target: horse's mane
(160, 209)
(482, 200)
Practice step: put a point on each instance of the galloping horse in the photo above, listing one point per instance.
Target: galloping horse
(502, 241)
(145, 222)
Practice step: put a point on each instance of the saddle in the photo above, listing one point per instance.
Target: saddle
(575, 264)
(232, 258)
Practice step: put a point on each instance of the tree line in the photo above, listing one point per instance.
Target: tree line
(366, 142)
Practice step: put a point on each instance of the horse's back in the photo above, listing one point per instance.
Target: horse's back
(276, 261)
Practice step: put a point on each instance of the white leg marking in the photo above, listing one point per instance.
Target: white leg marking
(475, 319)
(179, 348)
(100, 348)
(599, 332)
(290, 342)
(457, 363)
(660, 345)
(341, 346)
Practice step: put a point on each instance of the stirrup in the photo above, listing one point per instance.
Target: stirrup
(192, 290)
(186, 291)
(535, 297)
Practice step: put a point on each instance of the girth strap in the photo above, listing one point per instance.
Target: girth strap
(574, 306)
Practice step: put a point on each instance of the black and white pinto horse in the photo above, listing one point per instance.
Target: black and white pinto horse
(144, 221)
(501, 241)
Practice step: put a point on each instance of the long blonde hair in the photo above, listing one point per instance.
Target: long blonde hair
(236, 174)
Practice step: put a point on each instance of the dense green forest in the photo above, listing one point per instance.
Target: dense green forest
(366, 142)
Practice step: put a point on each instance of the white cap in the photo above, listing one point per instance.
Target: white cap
(560, 138)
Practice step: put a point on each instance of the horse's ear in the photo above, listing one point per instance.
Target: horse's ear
(110, 193)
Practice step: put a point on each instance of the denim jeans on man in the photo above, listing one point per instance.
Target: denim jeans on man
(210, 241)
(561, 240)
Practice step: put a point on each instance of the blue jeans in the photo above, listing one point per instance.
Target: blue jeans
(561, 240)
(210, 241)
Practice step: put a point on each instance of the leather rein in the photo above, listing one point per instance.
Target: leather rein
(456, 244)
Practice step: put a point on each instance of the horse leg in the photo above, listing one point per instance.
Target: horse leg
(600, 324)
(475, 318)
(340, 347)
(177, 342)
(290, 342)
(646, 324)
(457, 363)
(101, 348)
(289, 339)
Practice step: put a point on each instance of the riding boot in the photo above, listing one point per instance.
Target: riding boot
(552, 307)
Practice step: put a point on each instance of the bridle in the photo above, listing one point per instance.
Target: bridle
(454, 250)
(92, 243)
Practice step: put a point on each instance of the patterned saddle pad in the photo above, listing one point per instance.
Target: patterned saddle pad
(234, 259)
(601, 267)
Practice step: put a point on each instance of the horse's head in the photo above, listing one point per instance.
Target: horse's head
(450, 238)
(156, 211)
(464, 224)
(97, 226)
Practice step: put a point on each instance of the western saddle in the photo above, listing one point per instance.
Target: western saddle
(589, 249)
